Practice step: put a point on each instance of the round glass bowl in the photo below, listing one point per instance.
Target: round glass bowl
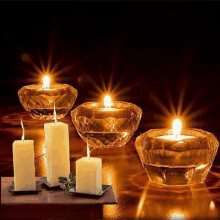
(106, 127)
(39, 102)
(177, 162)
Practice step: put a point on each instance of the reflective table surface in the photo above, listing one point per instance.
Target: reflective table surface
(137, 197)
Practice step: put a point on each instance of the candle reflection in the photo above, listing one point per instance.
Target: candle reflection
(110, 177)
(174, 203)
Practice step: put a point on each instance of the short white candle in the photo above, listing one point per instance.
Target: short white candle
(23, 161)
(57, 150)
(89, 174)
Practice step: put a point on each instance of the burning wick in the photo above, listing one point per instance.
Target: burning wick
(46, 82)
(55, 114)
(22, 138)
(88, 151)
(177, 127)
(108, 101)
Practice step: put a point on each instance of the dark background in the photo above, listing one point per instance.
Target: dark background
(163, 56)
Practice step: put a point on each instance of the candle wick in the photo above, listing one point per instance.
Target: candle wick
(22, 138)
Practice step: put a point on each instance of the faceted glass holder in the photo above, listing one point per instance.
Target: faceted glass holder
(173, 162)
(106, 127)
(39, 102)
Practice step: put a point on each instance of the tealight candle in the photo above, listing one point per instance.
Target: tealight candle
(176, 136)
(57, 150)
(108, 105)
(38, 100)
(89, 174)
(23, 161)
(177, 156)
(107, 123)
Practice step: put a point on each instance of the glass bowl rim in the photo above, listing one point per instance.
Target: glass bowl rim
(201, 131)
(139, 110)
(38, 86)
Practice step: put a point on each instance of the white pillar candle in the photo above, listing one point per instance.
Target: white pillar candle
(23, 161)
(89, 174)
(57, 151)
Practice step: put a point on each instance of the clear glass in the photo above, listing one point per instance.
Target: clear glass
(39, 102)
(106, 127)
(173, 162)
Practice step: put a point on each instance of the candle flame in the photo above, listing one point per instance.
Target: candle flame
(177, 126)
(88, 150)
(107, 101)
(22, 138)
(46, 82)
(55, 114)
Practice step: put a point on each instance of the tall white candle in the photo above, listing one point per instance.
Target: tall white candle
(89, 174)
(23, 161)
(57, 150)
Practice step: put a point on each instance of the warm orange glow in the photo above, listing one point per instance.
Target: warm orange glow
(46, 82)
(177, 126)
(107, 101)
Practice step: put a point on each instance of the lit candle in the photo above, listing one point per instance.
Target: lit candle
(23, 161)
(38, 99)
(89, 174)
(108, 104)
(57, 150)
(177, 156)
(176, 129)
(109, 109)
(107, 123)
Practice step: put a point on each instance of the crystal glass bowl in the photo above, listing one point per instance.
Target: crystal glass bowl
(173, 162)
(39, 102)
(106, 127)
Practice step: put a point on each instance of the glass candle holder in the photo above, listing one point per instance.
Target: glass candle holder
(39, 102)
(177, 162)
(106, 127)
